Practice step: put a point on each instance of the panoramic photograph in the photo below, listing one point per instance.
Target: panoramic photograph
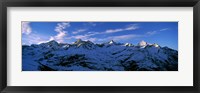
(99, 46)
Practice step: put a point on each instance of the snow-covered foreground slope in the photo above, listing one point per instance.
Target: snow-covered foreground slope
(87, 56)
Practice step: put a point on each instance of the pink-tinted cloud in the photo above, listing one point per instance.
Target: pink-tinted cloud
(26, 28)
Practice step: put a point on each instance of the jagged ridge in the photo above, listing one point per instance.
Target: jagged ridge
(87, 56)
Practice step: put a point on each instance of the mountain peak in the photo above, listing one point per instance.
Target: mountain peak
(112, 42)
(142, 43)
(52, 42)
(78, 41)
(88, 41)
(128, 44)
(156, 45)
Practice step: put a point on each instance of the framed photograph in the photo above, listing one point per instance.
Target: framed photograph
(135, 46)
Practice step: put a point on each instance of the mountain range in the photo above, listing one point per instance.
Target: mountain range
(88, 56)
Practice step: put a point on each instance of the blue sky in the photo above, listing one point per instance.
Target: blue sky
(162, 33)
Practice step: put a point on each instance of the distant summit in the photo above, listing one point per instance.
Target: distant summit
(156, 45)
(128, 44)
(52, 42)
(112, 42)
(79, 41)
(142, 43)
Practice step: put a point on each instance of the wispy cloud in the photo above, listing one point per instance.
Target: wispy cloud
(29, 37)
(132, 36)
(125, 37)
(60, 36)
(156, 31)
(61, 26)
(60, 29)
(132, 27)
(34, 39)
(89, 34)
(79, 31)
(164, 29)
(26, 28)
(121, 37)
(128, 28)
(114, 30)
(151, 32)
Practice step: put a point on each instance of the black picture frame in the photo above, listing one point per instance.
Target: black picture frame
(100, 3)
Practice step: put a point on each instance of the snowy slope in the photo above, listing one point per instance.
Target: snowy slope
(109, 56)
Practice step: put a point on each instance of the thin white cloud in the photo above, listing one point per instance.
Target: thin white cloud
(79, 31)
(33, 39)
(132, 27)
(151, 32)
(61, 26)
(30, 37)
(125, 37)
(60, 36)
(128, 28)
(118, 38)
(164, 29)
(26, 28)
(60, 29)
(114, 30)
(132, 36)
(88, 36)
(156, 31)
(121, 37)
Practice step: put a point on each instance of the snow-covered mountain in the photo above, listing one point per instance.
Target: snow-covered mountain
(109, 56)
